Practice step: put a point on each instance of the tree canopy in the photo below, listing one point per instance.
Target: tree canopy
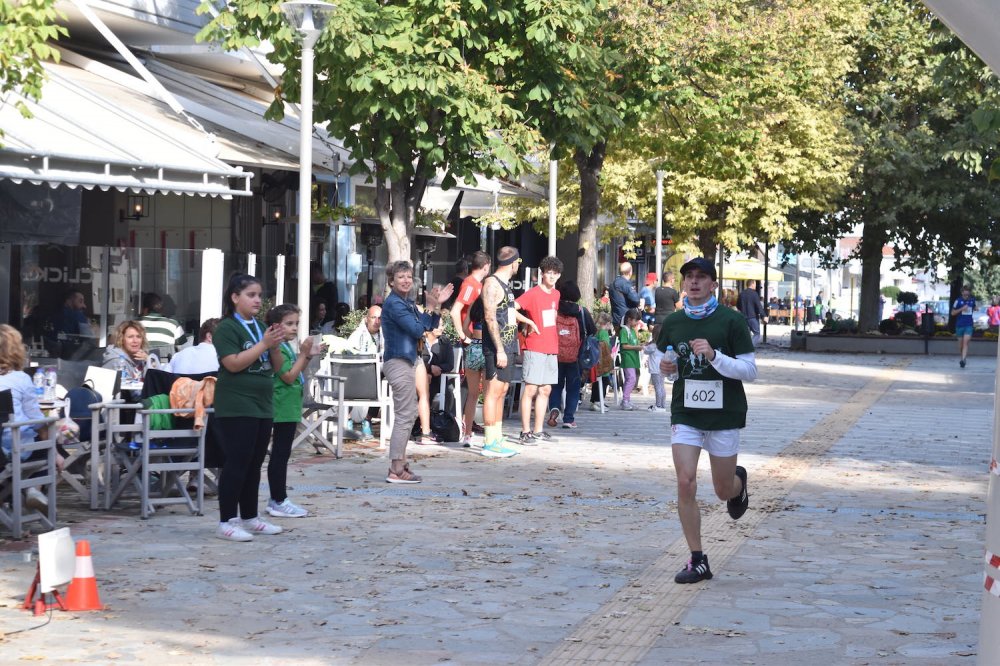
(423, 89)
(913, 99)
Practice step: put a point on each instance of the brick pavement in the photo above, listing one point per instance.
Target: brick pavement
(866, 550)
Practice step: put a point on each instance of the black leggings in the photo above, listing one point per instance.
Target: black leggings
(595, 390)
(244, 442)
(277, 464)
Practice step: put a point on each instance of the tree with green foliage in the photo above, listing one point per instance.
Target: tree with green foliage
(911, 101)
(738, 102)
(26, 29)
(753, 130)
(421, 89)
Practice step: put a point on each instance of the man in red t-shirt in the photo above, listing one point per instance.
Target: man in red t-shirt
(471, 335)
(540, 367)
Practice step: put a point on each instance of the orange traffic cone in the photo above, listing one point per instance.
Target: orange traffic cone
(82, 593)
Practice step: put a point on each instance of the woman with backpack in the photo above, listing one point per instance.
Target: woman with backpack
(574, 324)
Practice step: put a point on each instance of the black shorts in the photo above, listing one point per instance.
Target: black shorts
(490, 369)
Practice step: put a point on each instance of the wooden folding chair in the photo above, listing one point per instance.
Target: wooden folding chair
(20, 475)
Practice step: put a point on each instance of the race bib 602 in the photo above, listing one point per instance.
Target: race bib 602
(703, 394)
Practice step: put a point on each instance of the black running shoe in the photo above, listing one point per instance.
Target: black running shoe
(962, 363)
(737, 506)
(542, 436)
(527, 439)
(694, 573)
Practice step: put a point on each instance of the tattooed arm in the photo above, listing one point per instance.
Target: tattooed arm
(492, 295)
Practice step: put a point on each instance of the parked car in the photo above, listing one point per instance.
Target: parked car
(980, 319)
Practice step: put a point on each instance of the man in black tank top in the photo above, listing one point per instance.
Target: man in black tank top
(499, 347)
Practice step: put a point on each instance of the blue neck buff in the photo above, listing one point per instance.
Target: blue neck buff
(700, 311)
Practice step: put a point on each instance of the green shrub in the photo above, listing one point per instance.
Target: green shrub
(841, 326)
(889, 327)
(907, 318)
(907, 298)
(891, 292)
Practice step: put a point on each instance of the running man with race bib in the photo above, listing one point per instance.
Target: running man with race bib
(709, 407)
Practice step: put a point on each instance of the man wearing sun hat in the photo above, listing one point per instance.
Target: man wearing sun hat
(709, 406)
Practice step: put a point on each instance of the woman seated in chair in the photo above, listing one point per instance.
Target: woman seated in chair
(129, 352)
(12, 362)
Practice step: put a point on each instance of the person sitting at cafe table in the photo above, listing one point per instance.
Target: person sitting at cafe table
(69, 328)
(161, 332)
(200, 358)
(13, 359)
(129, 352)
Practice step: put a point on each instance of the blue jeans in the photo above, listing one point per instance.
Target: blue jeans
(569, 378)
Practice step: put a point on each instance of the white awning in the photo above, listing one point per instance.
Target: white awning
(976, 22)
(79, 138)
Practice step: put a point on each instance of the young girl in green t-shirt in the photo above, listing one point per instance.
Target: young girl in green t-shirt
(630, 349)
(289, 382)
(244, 407)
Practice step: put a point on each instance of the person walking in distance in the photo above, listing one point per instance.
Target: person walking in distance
(500, 347)
(403, 325)
(540, 368)
(962, 310)
(472, 342)
(709, 406)
(752, 309)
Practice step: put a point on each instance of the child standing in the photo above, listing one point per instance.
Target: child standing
(653, 357)
(289, 381)
(630, 349)
(604, 328)
(244, 406)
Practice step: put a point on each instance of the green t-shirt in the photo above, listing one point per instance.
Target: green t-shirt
(726, 330)
(287, 397)
(246, 393)
(630, 357)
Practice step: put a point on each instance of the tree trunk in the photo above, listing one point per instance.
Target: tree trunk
(708, 237)
(589, 166)
(873, 239)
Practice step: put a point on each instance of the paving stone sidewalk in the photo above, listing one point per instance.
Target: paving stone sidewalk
(867, 552)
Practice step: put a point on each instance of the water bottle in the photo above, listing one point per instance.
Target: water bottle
(51, 379)
(671, 355)
(39, 381)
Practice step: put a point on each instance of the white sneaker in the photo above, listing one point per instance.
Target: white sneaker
(627, 406)
(285, 509)
(258, 526)
(654, 408)
(36, 499)
(595, 407)
(233, 531)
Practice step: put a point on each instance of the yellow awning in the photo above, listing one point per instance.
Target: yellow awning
(743, 270)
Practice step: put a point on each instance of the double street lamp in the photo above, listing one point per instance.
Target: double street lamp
(308, 18)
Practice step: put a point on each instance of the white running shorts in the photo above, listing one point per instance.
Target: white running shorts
(720, 443)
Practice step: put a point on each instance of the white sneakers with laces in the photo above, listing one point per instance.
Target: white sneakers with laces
(285, 509)
(258, 526)
(233, 531)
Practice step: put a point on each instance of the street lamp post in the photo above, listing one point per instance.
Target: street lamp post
(553, 193)
(307, 17)
(659, 223)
